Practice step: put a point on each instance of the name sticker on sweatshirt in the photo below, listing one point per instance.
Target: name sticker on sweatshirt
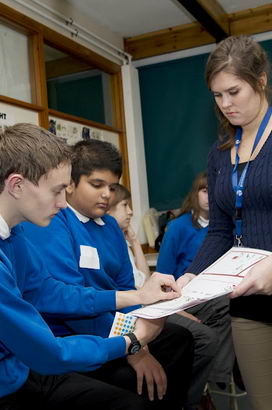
(89, 257)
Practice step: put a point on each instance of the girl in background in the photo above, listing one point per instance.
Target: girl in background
(121, 211)
(185, 234)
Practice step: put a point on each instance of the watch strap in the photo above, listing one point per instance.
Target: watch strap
(135, 345)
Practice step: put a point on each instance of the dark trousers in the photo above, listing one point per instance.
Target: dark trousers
(173, 348)
(213, 347)
(70, 391)
(113, 386)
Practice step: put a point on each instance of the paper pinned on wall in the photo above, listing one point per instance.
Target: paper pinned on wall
(217, 280)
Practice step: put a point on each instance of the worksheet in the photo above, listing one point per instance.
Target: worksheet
(217, 280)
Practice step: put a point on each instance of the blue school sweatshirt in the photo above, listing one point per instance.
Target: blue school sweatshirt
(86, 252)
(180, 244)
(26, 341)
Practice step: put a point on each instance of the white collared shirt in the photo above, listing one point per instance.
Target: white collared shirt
(84, 219)
(4, 229)
(203, 222)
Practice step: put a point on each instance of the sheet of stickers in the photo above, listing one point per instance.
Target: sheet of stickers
(122, 324)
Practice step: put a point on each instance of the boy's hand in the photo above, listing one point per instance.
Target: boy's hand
(130, 235)
(184, 280)
(149, 369)
(154, 289)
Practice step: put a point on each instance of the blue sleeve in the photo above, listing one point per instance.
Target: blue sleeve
(173, 249)
(50, 295)
(167, 259)
(25, 335)
(219, 238)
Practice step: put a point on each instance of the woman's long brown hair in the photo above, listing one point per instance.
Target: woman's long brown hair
(246, 59)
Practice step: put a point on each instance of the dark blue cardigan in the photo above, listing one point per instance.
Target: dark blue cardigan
(257, 220)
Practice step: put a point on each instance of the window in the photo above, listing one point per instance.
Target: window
(77, 88)
(15, 64)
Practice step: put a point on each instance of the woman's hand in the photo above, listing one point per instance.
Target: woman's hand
(258, 280)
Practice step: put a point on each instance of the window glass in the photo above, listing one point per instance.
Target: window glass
(75, 87)
(14, 68)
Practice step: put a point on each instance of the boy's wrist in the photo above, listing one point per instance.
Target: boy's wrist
(127, 298)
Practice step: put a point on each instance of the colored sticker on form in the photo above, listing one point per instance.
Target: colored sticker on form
(122, 324)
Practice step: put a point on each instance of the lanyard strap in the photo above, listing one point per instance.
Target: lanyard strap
(238, 186)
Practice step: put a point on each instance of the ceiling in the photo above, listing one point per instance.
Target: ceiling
(157, 27)
(131, 18)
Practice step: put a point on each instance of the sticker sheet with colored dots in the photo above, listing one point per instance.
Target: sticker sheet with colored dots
(122, 324)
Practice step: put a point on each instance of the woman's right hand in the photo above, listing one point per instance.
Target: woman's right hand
(257, 281)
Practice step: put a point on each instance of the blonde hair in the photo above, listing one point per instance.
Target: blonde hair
(30, 150)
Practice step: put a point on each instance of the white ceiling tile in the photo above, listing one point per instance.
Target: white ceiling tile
(133, 17)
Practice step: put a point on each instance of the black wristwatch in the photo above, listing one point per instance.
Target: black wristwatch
(135, 345)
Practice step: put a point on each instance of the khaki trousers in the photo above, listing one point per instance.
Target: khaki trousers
(253, 347)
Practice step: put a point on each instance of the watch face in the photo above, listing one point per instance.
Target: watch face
(134, 348)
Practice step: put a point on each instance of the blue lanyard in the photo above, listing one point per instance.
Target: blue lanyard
(238, 186)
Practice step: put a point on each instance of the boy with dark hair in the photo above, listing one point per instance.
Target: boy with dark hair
(83, 239)
(35, 169)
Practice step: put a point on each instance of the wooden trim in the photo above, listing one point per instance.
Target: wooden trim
(251, 21)
(66, 65)
(67, 45)
(216, 11)
(19, 103)
(32, 69)
(210, 15)
(39, 77)
(81, 120)
(119, 119)
(168, 40)
(38, 69)
(18, 19)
